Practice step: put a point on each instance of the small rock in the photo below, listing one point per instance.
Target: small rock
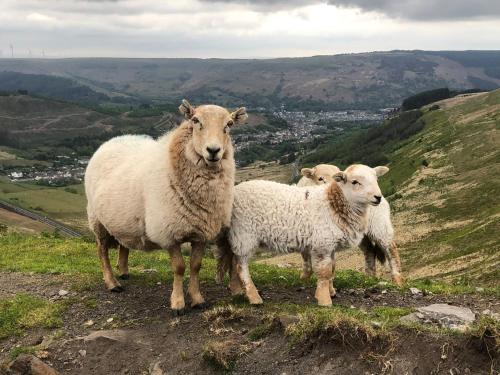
(415, 291)
(284, 265)
(155, 369)
(42, 354)
(89, 323)
(443, 315)
(109, 320)
(376, 324)
(351, 292)
(108, 334)
(158, 283)
(352, 307)
(30, 365)
(287, 320)
(82, 352)
(479, 289)
(420, 315)
(383, 283)
(384, 291)
(149, 270)
(63, 293)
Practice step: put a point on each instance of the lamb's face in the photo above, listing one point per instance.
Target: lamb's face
(320, 174)
(359, 183)
(211, 125)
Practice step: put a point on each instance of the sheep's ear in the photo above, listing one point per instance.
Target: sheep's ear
(380, 171)
(186, 109)
(340, 177)
(240, 115)
(307, 172)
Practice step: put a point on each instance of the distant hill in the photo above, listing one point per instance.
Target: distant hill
(366, 80)
(445, 188)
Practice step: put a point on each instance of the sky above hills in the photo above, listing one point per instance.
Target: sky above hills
(242, 28)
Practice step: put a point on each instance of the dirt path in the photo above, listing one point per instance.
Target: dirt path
(134, 331)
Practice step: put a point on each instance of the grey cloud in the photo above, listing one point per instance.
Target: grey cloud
(420, 10)
(427, 9)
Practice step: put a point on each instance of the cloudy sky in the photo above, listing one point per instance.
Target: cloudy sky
(242, 28)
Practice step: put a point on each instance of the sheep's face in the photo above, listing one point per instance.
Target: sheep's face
(320, 174)
(211, 125)
(359, 183)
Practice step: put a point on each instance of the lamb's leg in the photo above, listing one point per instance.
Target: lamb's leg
(370, 255)
(395, 264)
(177, 262)
(123, 262)
(244, 274)
(109, 279)
(322, 267)
(197, 250)
(235, 284)
(306, 266)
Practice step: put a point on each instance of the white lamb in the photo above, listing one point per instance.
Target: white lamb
(151, 194)
(378, 241)
(313, 220)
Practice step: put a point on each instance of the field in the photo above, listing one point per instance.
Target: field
(90, 330)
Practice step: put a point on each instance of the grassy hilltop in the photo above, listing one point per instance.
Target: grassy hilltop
(445, 184)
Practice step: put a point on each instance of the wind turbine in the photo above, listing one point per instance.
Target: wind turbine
(11, 50)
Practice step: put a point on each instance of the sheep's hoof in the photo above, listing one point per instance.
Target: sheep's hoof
(117, 289)
(125, 276)
(178, 312)
(201, 306)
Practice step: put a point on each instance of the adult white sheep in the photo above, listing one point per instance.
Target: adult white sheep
(151, 194)
(314, 220)
(378, 241)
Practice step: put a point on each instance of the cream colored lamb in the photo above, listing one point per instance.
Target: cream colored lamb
(314, 220)
(151, 194)
(320, 174)
(378, 241)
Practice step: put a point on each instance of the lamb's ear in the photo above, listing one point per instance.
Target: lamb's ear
(307, 172)
(380, 171)
(340, 177)
(240, 115)
(186, 109)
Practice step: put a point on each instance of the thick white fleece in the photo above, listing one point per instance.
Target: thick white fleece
(286, 218)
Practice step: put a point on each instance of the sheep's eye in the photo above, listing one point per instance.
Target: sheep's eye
(321, 179)
(230, 123)
(195, 120)
(355, 182)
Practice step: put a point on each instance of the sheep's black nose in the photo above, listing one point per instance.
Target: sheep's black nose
(378, 198)
(213, 150)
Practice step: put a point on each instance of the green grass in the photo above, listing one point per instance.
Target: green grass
(25, 311)
(463, 139)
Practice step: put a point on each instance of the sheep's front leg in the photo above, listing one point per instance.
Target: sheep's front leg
(197, 250)
(322, 267)
(333, 291)
(244, 274)
(109, 279)
(123, 262)
(395, 264)
(306, 266)
(235, 284)
(370, 256)
(177, 263)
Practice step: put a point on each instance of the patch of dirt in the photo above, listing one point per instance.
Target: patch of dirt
(134, 331)
(22, 223)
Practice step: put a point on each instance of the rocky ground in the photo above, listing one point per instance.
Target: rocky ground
(135, 333)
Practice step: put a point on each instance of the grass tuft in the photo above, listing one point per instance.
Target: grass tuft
(24, 311)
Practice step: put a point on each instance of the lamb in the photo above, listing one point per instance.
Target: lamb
(378, 241)
(313, 220)
(157, 194)
(320, 174)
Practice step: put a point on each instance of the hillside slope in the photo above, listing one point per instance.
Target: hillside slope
(446, 183)
(365, 80)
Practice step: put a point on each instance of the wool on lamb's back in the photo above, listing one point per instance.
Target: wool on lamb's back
(281, 216)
